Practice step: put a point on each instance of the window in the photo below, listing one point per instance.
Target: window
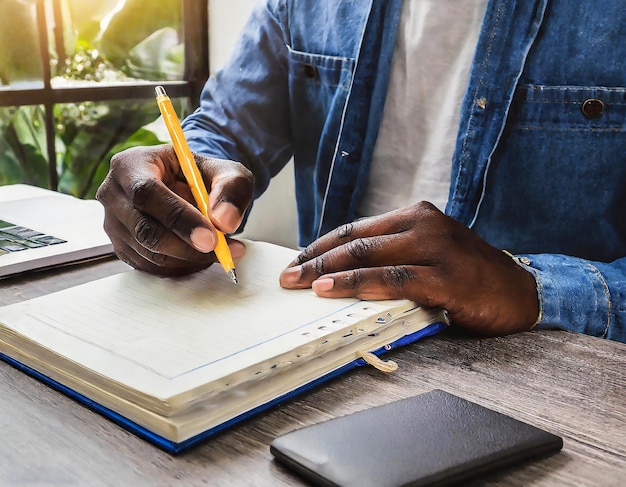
(77, 82)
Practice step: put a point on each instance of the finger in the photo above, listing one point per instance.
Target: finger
(391, 223)
(324, 254)
(141, 259)
(362, 252)
(422, 284)
(138, 257)
(335, 238)
(172, 266)
(231, 188)
(379, 251)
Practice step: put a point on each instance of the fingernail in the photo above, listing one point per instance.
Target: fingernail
(323, 284)
(291, 275)
(227, 215)
(203, 239)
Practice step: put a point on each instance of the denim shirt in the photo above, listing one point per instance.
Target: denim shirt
(540, 157)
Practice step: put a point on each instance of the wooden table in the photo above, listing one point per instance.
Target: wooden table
(571, 385)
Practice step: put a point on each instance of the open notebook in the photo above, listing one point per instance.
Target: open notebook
(178, 359)
(41, 228)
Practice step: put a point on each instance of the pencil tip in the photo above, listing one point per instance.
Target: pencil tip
(233, 275)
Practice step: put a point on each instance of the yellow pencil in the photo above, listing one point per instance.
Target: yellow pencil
(192, 174)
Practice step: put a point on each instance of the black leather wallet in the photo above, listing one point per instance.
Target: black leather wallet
(434, 438)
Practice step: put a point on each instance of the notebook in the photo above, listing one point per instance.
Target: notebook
(40, 228)
(178, 359)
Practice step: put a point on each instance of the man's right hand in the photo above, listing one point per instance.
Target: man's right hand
(151, 217)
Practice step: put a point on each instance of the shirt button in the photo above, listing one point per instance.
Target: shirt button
(593, 108)
(310, 71)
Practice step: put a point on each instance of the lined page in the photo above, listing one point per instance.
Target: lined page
(163, 336)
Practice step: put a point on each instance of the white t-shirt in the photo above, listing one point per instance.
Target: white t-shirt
(429, 73)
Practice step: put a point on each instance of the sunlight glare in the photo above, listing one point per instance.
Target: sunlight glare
(104, 23)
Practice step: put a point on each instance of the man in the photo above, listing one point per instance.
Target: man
(538, 168)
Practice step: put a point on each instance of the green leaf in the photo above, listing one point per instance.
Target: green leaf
(158, 56)
(21, 140)
(137, 20)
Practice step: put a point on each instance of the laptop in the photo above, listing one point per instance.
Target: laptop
(40, 228)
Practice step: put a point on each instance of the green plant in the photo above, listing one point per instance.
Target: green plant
(22, 146)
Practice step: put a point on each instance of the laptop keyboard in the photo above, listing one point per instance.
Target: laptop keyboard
(15, 238)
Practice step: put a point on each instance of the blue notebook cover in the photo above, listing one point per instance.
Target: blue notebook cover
(174, 447)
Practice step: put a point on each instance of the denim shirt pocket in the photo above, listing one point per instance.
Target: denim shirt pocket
(558, 182)
(318, 86)
(570, 108)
